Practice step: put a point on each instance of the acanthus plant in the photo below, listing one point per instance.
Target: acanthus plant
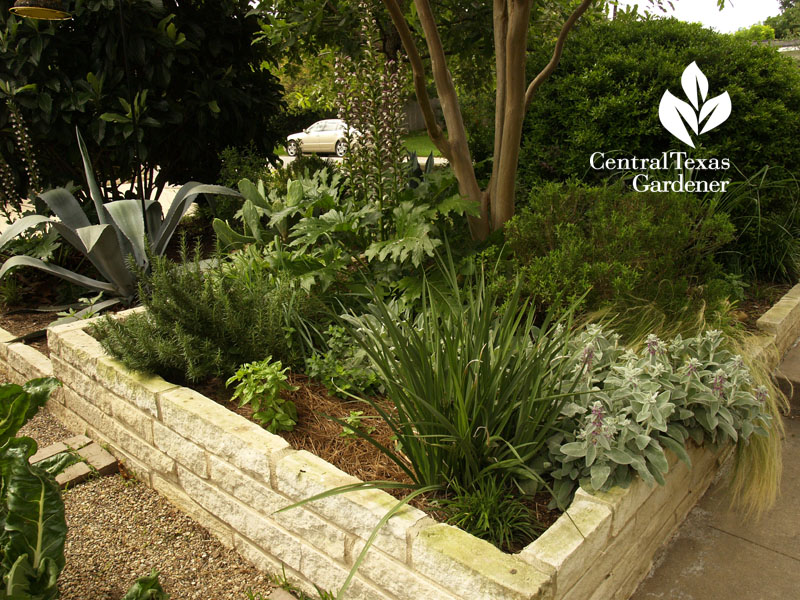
(369, 99)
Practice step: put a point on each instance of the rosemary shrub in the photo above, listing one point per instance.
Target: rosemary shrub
(205, 323)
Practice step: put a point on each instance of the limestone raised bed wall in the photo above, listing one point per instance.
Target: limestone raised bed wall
(231, 476)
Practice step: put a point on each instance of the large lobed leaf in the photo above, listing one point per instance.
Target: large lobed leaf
(18, 404)
(35, 526)
(228, 237)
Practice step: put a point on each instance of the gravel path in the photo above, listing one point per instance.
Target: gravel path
(118, 530)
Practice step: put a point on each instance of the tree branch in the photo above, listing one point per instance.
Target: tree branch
(519, 14)
(460, 157)
(420, 83)
(500, 22)
(562, 38)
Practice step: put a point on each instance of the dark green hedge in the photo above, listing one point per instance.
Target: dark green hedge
(605, 95)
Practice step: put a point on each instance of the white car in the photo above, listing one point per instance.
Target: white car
(329, 135)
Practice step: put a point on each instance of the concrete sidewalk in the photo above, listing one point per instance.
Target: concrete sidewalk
(719, 554)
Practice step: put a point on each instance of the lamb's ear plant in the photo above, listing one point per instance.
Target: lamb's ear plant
(125, 228)
(661, 397)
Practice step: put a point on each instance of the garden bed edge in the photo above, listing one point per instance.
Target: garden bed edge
(231, 476)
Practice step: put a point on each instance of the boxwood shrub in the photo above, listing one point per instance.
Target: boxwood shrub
(605, 94)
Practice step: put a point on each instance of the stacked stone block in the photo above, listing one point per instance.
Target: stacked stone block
(232, 476)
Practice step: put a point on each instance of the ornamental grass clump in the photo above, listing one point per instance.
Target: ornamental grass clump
(476, 391)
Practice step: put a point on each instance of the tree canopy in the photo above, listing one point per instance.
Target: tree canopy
(197, 84)
(786, 24)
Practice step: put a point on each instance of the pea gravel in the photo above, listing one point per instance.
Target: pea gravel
(118, 530)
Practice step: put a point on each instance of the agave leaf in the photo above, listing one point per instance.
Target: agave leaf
(180, 204)
(127, 214)
(28, 261)
(84, 313)
(65, 207)
(71, 236)
(35, 525)
(429, 164)
(229, 237)
(94, 189)
(21, 225)
(103, 249)
(154, 216)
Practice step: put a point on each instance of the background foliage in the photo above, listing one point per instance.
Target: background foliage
(605, 94)
(198, 82)
(616, 244)
(786, 24)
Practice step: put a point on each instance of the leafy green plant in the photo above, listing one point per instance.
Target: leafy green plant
(126, 227)
(34, 526)
(491, 510)
(11, 199)
(147, 588)
(184, 120)
(611, 74)
(766, 244)
(634, 405)
(320, 233)
(18, 404)
(31, 510)
(204, 323)
(260, 385)
(369, 99)
(282, 582)
(616, 243)
(355, 419)
(302, 198)
(476, 391)
(344, 367)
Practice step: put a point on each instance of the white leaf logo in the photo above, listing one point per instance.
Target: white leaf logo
(670, 112)
(717, 110)
(692, 79)
(675, 114)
